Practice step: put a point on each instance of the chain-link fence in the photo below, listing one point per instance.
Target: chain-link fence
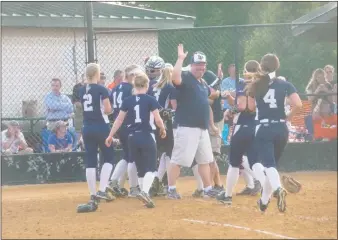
(299, 55)
(31, 58)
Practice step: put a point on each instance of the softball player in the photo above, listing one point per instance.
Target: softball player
(243, 135)
(271, 131)
(140, 111)
(96, 106)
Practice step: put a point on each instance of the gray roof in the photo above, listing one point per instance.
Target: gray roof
(326, 13)
(71, 14)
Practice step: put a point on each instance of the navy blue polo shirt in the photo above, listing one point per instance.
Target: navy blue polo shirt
(192, 103)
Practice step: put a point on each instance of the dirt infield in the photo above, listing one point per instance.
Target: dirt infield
(49, 211)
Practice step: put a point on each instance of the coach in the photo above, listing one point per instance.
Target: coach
(192, 118)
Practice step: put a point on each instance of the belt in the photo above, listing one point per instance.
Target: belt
(271, 121)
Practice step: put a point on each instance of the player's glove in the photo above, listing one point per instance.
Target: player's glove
(290, 184)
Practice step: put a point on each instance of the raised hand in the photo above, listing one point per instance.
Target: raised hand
(180, 52)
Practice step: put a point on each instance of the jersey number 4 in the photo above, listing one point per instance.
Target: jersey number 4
(88, 100)
(270, 99)
(117, 100)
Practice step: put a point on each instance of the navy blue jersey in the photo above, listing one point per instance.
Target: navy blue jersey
(246, 117)
(272, 105)
(118, 95)
(151, 84)
(139, 110)
(192, 103)
(92, 96)
(163, 95)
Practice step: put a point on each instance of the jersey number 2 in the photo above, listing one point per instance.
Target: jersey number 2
(87, 103)
(270, 99)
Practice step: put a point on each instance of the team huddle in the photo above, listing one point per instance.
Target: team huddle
(164, 112)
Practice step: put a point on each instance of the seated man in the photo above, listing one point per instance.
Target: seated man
(60, 140)
(13, 141)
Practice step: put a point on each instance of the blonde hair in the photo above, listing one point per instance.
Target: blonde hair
(313, 84)
(92, 70)
(328, 66)
(141, 81)
(166, 77)
(131, 71)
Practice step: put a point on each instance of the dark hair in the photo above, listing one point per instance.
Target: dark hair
(57, 80)
(231, 65)
(252, 66)
(260, 84)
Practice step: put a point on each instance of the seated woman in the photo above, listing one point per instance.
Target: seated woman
(60, 140)
(13, 140)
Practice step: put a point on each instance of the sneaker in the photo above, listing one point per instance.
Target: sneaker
(144, 197)
(163, 190)
(198, 193)
(219, 188)
(114, 188)
(173, 194)
(124, 192)
(281, 203)
(91, 206)
(224, 199)
(261, 206)
(257, 188)
(212, 193)
(104, 196)
(134, 191)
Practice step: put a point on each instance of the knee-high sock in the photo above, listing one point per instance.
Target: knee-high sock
(123, 179)
(104, 176)
(148, 181)
(120, 169)
(197, 177)
(249, 180)
(132, 174)
(246, 166)
(258, 170)
(232, 179)
(162, 167)
(91, 180)
(273, 177)
(267, 191)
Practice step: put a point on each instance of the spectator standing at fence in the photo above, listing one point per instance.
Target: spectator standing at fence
(192, 118)
(318, 84)
(60, 140)
(330, 74)
(228, 86)
(117, 79)
(58, 105)
(78, 117)
(13, 140)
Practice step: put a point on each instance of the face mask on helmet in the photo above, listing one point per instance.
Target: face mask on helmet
(154, 67)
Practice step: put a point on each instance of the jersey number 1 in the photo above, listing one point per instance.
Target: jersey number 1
(270, 99)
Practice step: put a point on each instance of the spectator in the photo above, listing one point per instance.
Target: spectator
(13, 140)
(118, 78)
(60, 140)
(318, 84)
(330, 76)
(228, 86)
(78, 118)
(58, 106)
